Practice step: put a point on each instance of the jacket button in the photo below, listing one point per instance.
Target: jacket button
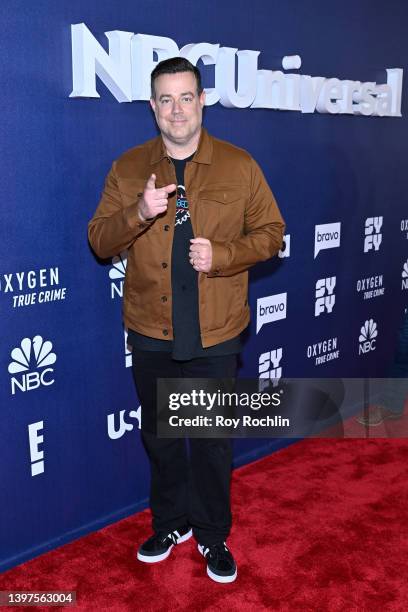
(164, 299)
(164, 265)
(166, 228)
(165, 332)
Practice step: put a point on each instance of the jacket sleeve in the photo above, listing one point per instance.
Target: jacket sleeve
(114, 227)
(262, 236)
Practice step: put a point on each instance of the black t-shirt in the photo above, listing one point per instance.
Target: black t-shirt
(184, 281)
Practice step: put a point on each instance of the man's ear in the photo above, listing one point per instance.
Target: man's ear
(202, 98)
(153, 104)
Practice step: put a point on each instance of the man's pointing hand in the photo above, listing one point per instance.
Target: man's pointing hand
(154, 201)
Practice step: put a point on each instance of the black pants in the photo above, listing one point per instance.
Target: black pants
(188, 485)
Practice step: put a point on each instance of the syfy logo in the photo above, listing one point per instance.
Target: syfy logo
(29, 361)
(117, 431)
(270, 308)
(367, 337)
(117, 274)
(33, 287)
(327, 236)
(238, 83)
(373, 237)
(323, 351)
(270, 367)
(325, 298)
(285, 250)
(404, 227)
(404, 284)
(128, 351)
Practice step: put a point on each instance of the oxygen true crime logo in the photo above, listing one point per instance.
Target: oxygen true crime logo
(33, 287)
(323, 351)
(371, 287)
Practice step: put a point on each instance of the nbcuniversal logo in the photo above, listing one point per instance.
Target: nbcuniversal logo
(30, 365)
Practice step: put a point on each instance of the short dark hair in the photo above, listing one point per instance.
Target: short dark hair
(172, 66)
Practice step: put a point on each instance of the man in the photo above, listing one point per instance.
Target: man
(195, 213)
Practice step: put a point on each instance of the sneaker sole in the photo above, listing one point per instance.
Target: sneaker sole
(163, 556)
(217, 577)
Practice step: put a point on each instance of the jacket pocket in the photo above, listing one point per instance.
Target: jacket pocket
(221, 212)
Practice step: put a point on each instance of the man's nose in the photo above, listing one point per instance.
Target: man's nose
(177, 106)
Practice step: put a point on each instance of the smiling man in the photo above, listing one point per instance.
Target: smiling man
(195, 213)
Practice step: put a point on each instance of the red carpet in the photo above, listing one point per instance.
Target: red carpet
(319, 526)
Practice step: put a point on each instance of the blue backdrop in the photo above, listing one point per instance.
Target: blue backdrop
(70, 458)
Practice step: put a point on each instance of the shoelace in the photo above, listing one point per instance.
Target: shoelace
(166, 536)
(216, 551)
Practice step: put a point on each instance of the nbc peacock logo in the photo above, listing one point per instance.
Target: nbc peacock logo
(117, 274)
(367, 337)
(30, 365)
(405, 276)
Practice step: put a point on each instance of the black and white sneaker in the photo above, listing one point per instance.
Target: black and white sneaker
(159, 546)
(221, 566)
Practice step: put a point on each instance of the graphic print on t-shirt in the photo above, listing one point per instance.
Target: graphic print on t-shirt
(182, 212)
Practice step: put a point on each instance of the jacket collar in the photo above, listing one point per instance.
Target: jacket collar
(203, 155)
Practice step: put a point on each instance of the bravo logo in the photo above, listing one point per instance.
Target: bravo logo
(327, 236)
(31, 361)
(367, 337)
(117, 274)
(373, 237)
(405, 276)
(270, 367)
(325, 298)
(270, 308)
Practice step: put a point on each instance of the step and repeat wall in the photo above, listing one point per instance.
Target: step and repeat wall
(328, 129)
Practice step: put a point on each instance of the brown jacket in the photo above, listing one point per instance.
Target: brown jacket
(230, 204)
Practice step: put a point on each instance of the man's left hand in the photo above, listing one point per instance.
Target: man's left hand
(200, 254)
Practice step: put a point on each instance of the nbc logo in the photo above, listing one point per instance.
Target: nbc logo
(373, 237)
(270, 367)
(367, 337)
(405, 276)
(117, 274)
(325, 298)
(29, 362)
